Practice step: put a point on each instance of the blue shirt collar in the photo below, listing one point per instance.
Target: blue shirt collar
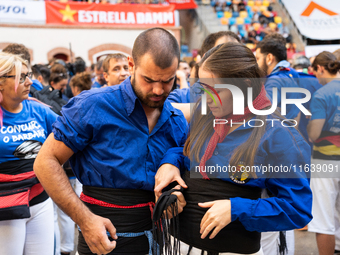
(128, 95)
(283, 63)
(130, 98)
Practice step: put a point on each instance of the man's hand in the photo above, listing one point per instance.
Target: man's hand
(94, 231)
(180, 202)
(165, 175)
(218, 216)
(182, 79)
(47, 167)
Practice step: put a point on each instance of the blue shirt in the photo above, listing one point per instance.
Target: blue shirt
(108, 131)
(312, 84)
(23, 133)
(180, 96)
(96, 85)
(326, 105)
(283, 76)
(290, 207)
(186, 95)
(37, 85)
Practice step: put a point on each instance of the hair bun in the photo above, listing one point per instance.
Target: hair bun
(58, 68)
(86, 77)
(334, 66)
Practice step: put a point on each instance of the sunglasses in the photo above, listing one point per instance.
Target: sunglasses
(23, 76)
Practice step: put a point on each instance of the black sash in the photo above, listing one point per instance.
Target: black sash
(234, 237)
(125, 220)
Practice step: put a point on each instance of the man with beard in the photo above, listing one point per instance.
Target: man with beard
(115, 138)
(271, 56)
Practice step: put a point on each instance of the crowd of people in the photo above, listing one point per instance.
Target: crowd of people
(104, 148)
(250, 20)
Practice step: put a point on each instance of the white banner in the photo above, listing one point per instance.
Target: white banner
(316, 19)
(23, 12)
(312, 51)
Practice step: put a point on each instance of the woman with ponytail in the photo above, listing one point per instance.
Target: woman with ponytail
(324, 131)
(26, 211)
(231, 160)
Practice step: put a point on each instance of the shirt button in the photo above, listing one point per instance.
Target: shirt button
(215, 153)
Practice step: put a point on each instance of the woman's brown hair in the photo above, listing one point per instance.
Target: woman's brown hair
(58, 73)
(328, 60)
(237, 63)
(82, 81)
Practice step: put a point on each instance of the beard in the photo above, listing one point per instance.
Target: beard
(145, 99)
(264, 68)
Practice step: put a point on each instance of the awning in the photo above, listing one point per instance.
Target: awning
(315, 19)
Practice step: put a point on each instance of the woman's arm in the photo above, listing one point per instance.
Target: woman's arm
(290, 207)
(290, 204)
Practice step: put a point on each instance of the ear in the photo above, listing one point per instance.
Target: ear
(321, 69)
(105, 76)
(40, 79)
(269, 59)
(131, 65)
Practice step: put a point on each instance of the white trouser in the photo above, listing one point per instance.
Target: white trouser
(65, 229)
(326, 207)
(270, 242)
(29, 236)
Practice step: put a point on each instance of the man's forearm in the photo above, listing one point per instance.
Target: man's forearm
(56, 183)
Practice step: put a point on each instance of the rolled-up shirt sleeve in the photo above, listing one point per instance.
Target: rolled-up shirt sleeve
(72, 127)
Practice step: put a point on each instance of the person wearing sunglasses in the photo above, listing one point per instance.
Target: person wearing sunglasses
(26, 211)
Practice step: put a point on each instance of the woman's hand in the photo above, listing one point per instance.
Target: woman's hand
(218, 216)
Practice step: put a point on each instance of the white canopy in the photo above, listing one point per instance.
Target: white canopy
(316, 19)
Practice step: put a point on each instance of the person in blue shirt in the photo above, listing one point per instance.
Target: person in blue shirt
(37, 78)
(324, 130)
(180, 98)
(26, 212)
(99, 79)
(271, 55)
(226, 205)
(182, 75)
(309, 82)
(115, 138)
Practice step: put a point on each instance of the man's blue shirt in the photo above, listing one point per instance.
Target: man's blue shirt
(326, 105)
(281, 77)
(180, 96)
(312, 84)
(96, 85)
(37, 85)
(108, 131)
